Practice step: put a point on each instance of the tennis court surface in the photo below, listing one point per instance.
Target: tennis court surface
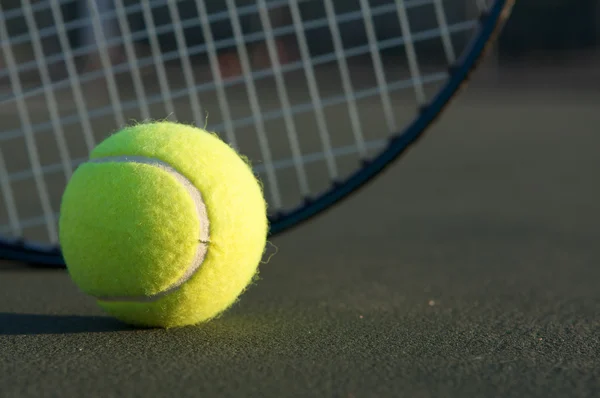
(470, 269)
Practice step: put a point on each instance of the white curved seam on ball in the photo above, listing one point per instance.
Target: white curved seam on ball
(203, 239)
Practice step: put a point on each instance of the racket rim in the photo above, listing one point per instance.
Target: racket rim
(491, 22)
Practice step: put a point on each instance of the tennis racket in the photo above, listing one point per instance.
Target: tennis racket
(321, 96)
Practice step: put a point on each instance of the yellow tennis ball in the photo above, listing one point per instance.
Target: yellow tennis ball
(165, 225)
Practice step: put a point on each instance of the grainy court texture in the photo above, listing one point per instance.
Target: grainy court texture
(469, 269)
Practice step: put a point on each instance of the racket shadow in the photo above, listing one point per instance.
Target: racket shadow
(38, 324)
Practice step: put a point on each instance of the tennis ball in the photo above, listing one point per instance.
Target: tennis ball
(165, 225)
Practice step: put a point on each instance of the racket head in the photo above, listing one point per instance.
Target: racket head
(301, 110)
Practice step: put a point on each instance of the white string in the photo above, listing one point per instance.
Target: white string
(226, 43)
(345, 76)
(106, 62)
(132, 60)
(9, 198)
(255, 107)
(216, 74)
(80, 102)
(185, 60)
(285, 101)
(313, 89)
(378, 66)
(26, 125)
(440, 15)
(51, 102)
(163, 81)
(36, 7)
(411, 53)
(207, 87)
(274, 115)
(295, 110)
(340, 152)
(130, 9)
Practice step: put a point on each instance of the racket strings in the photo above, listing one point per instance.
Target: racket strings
(266, 110)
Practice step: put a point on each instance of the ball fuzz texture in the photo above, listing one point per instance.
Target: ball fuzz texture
(165, 225)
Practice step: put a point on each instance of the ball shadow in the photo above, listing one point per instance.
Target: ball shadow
(37, 324)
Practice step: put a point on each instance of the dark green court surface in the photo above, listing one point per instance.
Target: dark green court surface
(468, 270)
